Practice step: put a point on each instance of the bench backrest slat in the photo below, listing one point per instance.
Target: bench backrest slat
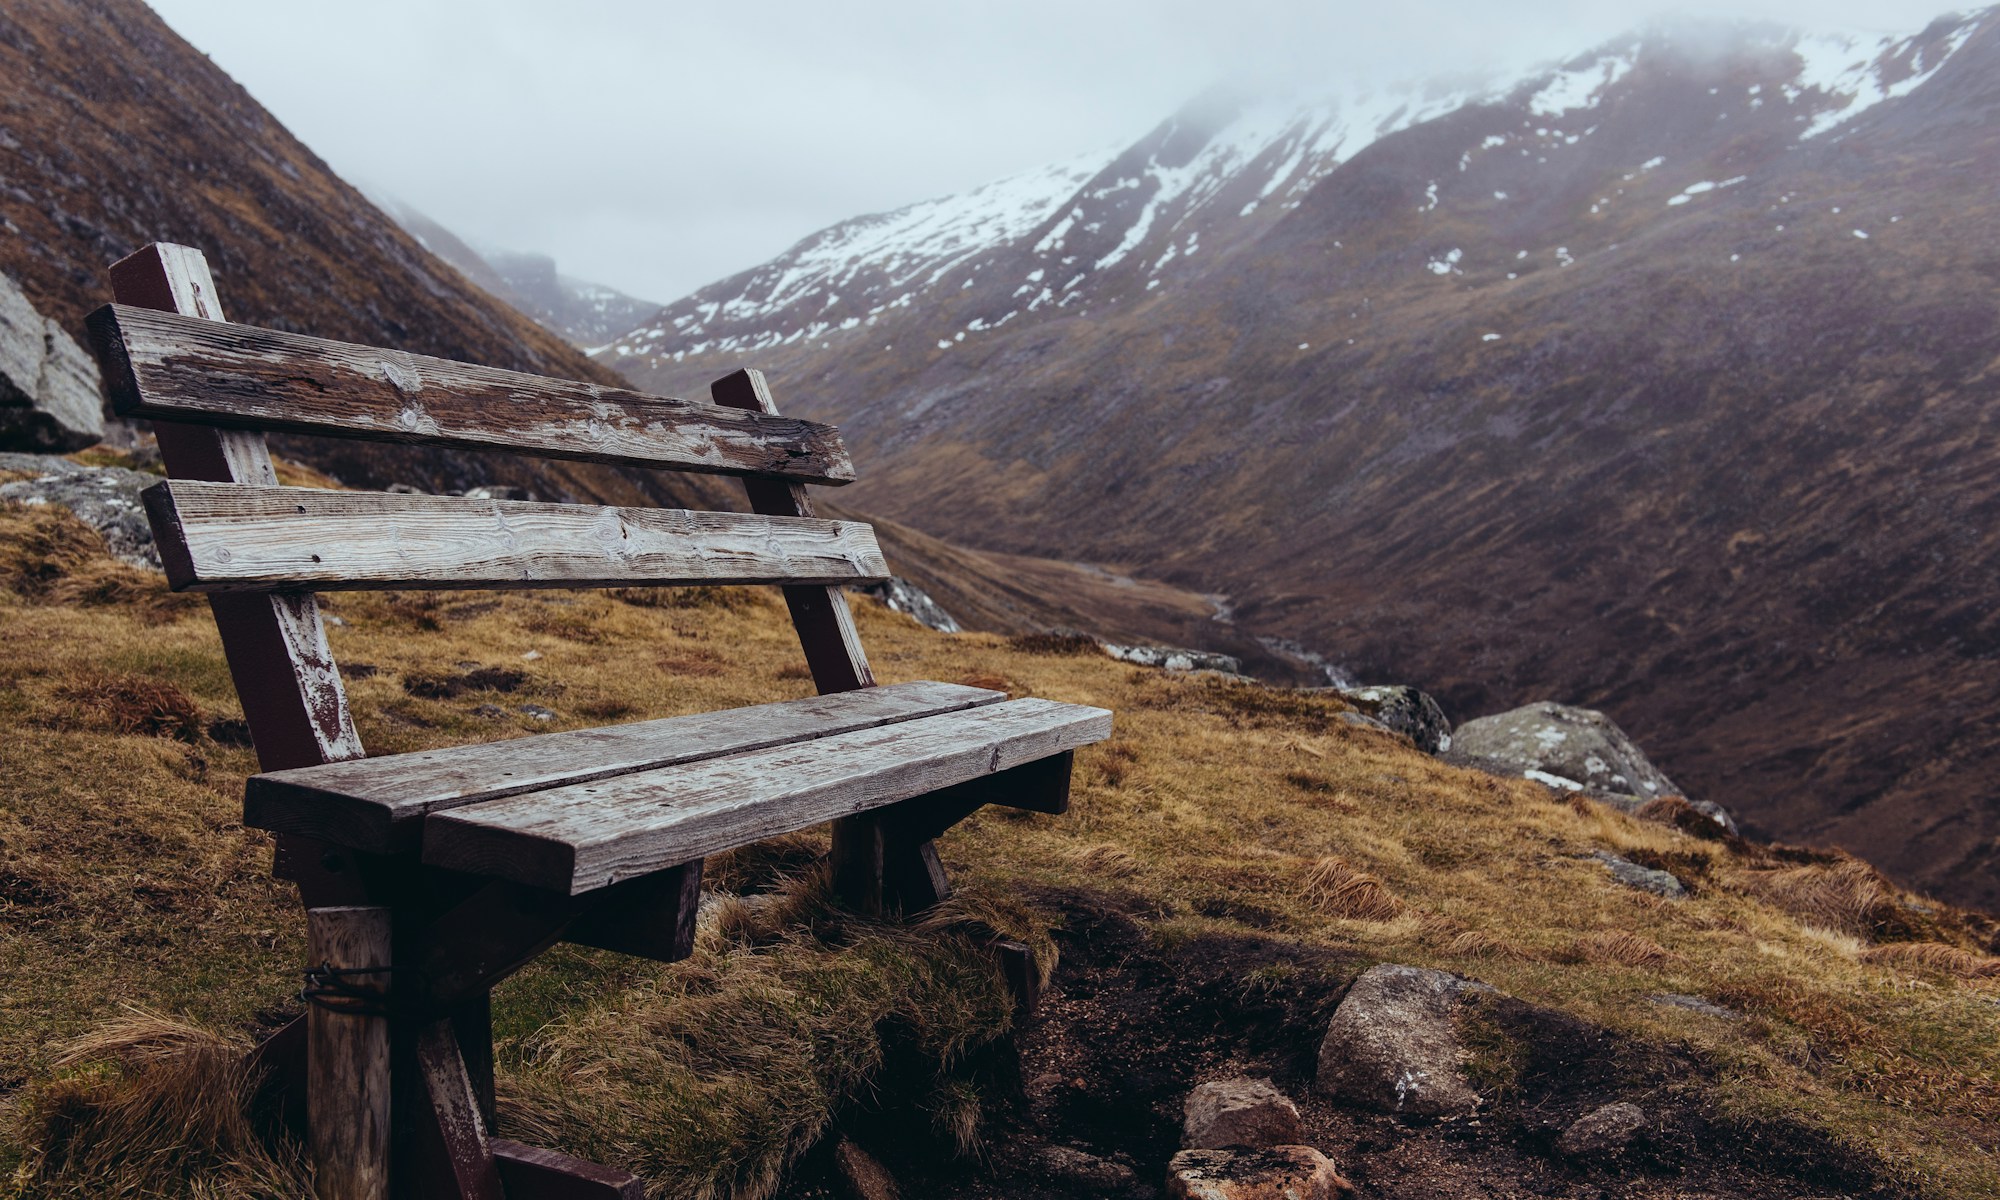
(228, 537)
(173, 368)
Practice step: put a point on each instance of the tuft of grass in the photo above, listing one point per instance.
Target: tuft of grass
(1934, 956)
(1624, 948)
(1338, 890)
(1059, 644)
(1847, 895)
(1104, 860)
(133, 704)
(146, 1106)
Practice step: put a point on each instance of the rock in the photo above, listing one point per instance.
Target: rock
(104, 498)
(1406, 710)
(1240, 1113)
(1361, 720)
(865, 1178)
(50, 398)
(503, 491)
(1706, 1008)
(1571, 749)
(1075, 1169)
(1176, 658)
(537, 712)
(900, 595)
(1646, 879)
(1275, 1173)
(1393, 1043)
(1602, 1133)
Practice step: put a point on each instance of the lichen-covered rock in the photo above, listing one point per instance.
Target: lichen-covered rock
(104, 498)
(1406, 710)
(1393, 1043)
(1076, 1170)
(1571, 749)
(1240, 1113)
(1176, 658)
(1275, 1173)
(1603, 1132)
(50, 399)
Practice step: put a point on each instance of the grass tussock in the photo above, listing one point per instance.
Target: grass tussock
(1054, 644)
(1105, 860)
(131, 704)
(1847, 895)
(48, 557)
(149, 1106)
(1624, 948)
(1338, 890)
(1934, 956)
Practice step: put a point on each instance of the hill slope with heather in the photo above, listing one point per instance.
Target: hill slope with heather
(1663, 382)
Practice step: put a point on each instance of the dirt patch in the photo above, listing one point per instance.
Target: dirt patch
(1132, 1021)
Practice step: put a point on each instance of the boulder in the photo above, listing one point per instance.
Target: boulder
(104, 498)
(1078, 1171)
(1393, 1043)
(1646, 879)
(1406, 710)
(862, 1177)
(50, 399)
(1275, 1173)
(1602, 1133)
(1571, 749)
(1240, 1113)
(1176, 658)
(900, 595)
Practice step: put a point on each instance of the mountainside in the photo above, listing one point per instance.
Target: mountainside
(585, 313)
(1662, 382)
(114, 132)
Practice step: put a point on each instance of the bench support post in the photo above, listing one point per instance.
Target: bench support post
(347, 1052)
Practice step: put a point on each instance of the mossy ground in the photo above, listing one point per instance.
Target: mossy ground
(1220, 810)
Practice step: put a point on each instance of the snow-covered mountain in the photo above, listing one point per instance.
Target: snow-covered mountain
(1220, 172)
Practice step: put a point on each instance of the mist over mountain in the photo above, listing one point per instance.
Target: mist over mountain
(1661, 380)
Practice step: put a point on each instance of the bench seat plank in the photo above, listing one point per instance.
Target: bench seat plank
(378, 804)
(218, 537)
(579, 838)
(174, 368)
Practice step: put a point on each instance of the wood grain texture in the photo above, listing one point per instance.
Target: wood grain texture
(347, 1059)
(378, 804)
(532, 1173)
(575, 839)
(275, 645)
(220, 538)
(172, 368)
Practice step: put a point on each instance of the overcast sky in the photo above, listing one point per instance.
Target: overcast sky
(658, 146)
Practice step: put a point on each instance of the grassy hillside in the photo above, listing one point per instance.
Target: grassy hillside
(1233, 859)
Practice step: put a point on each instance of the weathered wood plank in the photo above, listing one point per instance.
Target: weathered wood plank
(532, 1173)
(220, 538)
(347, 1054)
(575, 839)
(454, 1160)
(170, 368)
(378, 804)
(275, 645)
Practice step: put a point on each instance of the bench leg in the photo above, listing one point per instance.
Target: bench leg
(348, 1052)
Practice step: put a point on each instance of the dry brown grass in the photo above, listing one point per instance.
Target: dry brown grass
(130, 704)
(1848, 895)
(1338, 890)
(1934, 956)
(1625, 948)
(125, 875)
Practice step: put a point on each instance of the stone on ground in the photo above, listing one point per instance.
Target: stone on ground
(864, 1177)
(1646, 879)
(1406, 710)
(1275, 1173)
(1603, 1132)
(1572, 749)
(49, 394)
(1393, 1043)
(104, 498)
(1076, 1170)
(1240, 1113)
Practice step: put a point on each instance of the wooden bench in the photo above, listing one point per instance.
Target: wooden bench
(430, 877)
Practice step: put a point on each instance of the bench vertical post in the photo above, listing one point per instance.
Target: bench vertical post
(832, 648)
(347, 1052)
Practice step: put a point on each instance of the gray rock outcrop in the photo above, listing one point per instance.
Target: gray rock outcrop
(1240, 1113)
(1571, 749)
(1176, 658)
(50, 399)
(1646, 879)
(1277, 1173)
(104, 498)
(900, 595)
(1393, 1043)
(1406, 710)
